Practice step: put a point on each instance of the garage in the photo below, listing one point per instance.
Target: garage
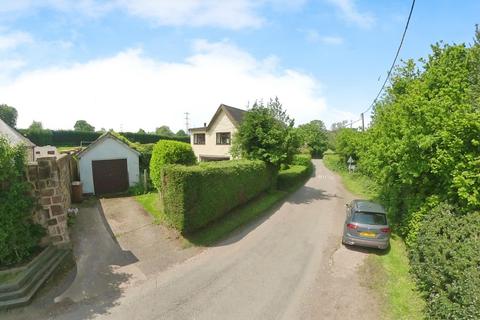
(108, 165)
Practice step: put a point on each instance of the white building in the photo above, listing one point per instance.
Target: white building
(213, 142)
(108, 165)
(16, 138)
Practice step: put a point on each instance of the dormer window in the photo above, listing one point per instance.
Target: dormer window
(224, 138)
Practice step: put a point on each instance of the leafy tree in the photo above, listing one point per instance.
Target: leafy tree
(180, 133)
(18, 234)
(314, 136)
(164, 131)
(267, 134)
(339, 125)
(36, 132)
(8, 114)
(141, 131)
(82, 125)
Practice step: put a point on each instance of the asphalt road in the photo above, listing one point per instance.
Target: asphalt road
(287, 265)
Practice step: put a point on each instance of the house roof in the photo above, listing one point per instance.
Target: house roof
(234, 114)
(13, 136)
(100, 139)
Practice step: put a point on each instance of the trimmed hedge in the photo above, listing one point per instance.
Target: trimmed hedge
(302, 160)
(167, 152)
(152, 138)
(74, 138)
(292, 176)
(194, 196)
(446, 261)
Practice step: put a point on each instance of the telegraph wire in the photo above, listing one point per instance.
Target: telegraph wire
(394, 60)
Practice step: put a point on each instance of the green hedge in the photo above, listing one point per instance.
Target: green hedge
(446, 261)
(152, 138)
(194, 196)
(74, 138)
(167, 152)
(302, 160)
(292, 176)
(19, 236)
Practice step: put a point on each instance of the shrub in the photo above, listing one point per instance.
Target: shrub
(302, 160)
(18, 234)
(292, 176)
(446, 262)
(167, 152)
(194, 196)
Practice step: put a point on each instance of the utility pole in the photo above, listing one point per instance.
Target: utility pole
(363, 122)
(187, 121)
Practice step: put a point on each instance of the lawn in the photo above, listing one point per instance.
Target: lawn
(393, 282)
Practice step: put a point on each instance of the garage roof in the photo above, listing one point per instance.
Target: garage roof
(100, 140)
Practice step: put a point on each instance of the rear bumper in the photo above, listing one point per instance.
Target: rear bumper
(372, 243)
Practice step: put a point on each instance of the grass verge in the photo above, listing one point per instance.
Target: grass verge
(393, 281)
(222, 227)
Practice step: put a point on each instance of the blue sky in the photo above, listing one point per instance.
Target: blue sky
(141, 64)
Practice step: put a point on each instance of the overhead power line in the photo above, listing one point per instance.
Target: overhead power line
(394, 60)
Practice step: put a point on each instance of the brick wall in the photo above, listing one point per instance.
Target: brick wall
(51, 182)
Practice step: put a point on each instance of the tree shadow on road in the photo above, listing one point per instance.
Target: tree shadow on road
(307, 195)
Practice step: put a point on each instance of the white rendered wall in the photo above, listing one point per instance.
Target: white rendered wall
(108, 149)
(210, 148)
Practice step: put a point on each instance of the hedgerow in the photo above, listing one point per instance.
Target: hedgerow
(194, 196)
(302, 160)
(167, 152)
(292, 176)
(19, 236)
(447, 263)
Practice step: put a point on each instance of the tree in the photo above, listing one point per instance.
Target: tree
(8, 114)
(267, 134)
(141, 131)
(82, 125)
(36, 126)
(164, 131)
(313, 135)
(181, 133)
(339, 125)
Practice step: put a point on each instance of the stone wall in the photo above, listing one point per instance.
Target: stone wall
(51, 182)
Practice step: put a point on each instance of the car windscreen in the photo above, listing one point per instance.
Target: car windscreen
(370, 218)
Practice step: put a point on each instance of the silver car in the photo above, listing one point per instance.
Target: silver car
(366, 225)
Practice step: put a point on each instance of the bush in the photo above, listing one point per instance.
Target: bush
(167, 152)
(446, 262)
(19, 236)
(292, 176)
(302, 160)
(194, 196)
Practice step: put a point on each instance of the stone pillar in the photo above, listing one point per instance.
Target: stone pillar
(51, 185)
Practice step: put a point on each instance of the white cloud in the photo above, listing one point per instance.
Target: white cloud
(132, 91)
(234, 14)
(12, 40)
(349, 12)
(314, 36)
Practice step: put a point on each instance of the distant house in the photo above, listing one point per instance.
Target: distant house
(108, 165)
(213, 142)
(16, 138)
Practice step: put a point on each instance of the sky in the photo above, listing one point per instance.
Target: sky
(126, 65)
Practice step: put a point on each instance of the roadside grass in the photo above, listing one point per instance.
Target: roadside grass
(393, 281)
(224, 226)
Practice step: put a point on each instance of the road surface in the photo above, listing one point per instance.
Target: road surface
(287, 265)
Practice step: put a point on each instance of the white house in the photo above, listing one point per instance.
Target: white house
(16, 138)
(213, 142)
(108, 165)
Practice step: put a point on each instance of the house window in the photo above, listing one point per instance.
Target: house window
(199, 138)
(223, 138)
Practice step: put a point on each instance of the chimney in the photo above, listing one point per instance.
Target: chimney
(205, 124)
